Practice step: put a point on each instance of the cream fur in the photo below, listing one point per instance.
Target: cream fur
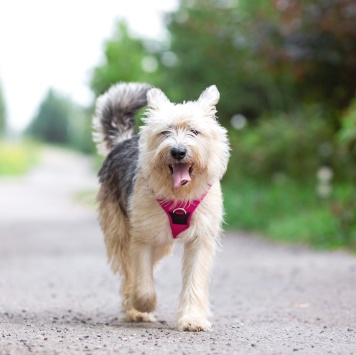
(135, 244)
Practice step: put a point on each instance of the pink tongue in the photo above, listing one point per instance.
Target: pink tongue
(180, 174)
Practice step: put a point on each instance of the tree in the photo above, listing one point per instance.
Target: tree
(51, 122)
(315, 40)
(264, 56)
(80, 129)
(2, 113)
(209, 44)
(59, 120)
(215, 43)
(125, 59)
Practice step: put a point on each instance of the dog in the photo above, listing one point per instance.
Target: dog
(159, 187)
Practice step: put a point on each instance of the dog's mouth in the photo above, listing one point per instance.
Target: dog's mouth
(181, 173)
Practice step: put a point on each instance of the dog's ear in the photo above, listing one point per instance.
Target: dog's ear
(155, 98)
(209, 98)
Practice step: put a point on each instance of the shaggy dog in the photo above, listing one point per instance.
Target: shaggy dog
(158, 188)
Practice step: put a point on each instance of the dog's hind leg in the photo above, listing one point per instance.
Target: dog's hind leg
(132, 314)
(194, 303)
(143, 295)
(117, 240)
(145, 257)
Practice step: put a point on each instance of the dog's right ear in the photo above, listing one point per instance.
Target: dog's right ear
(156, 98)
(209, 98)
(210, 95)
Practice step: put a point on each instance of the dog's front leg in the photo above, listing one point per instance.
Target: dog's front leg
(194, 303)
(143, 296)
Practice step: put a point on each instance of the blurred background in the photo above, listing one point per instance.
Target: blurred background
(285, 69)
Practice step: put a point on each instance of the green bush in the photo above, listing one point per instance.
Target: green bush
(347, 136)
(284, 147)
(272, 184)
(293, 212)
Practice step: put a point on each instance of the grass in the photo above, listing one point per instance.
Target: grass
(16, 157)
(293, 212)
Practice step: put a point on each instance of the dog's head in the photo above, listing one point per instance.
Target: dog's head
(183, 148)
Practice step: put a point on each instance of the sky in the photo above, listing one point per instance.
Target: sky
(54, 44)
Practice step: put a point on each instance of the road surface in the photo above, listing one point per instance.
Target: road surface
(58, 296)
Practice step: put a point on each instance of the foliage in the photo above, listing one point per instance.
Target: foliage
(316, 41)
(51, 122)
(125, 58)
(263, 56)
(347, 134)
(61, 121)
(2, 113)
(17, 157)
(284, 146)
(285, 69)
(208, 45)
(80, 129)
(215, 44)
(292, 212)
(275, 182)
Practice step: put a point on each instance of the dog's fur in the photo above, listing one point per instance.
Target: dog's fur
(138, 171)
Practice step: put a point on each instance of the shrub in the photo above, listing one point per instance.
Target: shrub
(283, 147)
(347, 134)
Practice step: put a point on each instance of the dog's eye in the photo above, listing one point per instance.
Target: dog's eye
(194, 131)
(165, 133)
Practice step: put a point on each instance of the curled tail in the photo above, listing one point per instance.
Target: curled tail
(115, 111)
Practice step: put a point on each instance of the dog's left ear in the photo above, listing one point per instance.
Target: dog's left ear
(209, 98)
(155, 98)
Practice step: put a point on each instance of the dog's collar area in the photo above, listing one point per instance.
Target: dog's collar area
(180, 213)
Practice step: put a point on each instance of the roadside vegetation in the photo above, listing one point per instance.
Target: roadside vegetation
(17, 157)
(292, 212)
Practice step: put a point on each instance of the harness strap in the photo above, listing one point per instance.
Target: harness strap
(180, 213)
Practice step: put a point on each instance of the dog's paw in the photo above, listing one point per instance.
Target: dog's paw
(144, 303)
(194, 325)
(135, 316)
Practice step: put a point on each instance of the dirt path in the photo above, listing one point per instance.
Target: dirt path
(58, 296)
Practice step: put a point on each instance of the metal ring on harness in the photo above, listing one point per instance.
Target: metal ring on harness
(180, 209)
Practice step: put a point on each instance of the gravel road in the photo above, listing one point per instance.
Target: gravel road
(58, 296)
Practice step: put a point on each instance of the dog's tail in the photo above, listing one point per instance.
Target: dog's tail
(115, 111)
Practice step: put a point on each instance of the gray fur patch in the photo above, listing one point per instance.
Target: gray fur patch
(118, 172)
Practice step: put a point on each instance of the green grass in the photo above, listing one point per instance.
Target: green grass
(17, 157)
(293, 212)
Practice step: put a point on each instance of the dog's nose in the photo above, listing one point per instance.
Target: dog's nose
(178, 153)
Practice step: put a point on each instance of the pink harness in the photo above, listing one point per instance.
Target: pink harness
(179, 213)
